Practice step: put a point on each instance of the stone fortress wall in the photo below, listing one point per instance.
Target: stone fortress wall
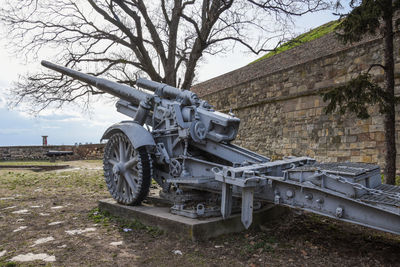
(81, 152)
(279, 102)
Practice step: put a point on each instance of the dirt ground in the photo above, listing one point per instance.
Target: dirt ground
(52, 216)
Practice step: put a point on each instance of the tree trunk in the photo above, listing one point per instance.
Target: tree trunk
(170, 72)
(191, 65)
(390, 116)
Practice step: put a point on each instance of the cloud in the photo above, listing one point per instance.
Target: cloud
(14, 131)
(4, 84)
(3, 102)
(63, 126)
(51, 127)
(61, 117)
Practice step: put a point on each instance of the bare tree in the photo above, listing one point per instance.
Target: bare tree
(164, 39)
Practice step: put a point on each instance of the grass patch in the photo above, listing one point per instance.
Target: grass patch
(101, 217)
(105, 218)
(302, 38)
(94, 161)
(92, 181)
(8, 264)
(397, 181)
(261, 243)
(33, 163)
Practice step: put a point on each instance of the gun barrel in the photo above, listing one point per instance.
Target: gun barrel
(164, 89)
(116, 89)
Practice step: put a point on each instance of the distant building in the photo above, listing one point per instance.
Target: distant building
(44, 140)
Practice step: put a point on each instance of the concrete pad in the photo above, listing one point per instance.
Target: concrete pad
(194, 229)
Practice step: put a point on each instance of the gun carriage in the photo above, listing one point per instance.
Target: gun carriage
(186, 146)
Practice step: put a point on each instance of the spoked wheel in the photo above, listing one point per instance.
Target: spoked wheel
(127, 170)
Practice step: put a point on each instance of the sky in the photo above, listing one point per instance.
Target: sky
(69, 125)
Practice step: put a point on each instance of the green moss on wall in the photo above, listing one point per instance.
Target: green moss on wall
(303, 38)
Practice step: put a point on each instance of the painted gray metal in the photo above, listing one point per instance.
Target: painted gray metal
(320, 192)
(166, 91)
(113, 88)
(192, 150)
(138, 135)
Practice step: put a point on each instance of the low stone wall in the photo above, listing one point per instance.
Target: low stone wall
(81, 152)
(279, 102)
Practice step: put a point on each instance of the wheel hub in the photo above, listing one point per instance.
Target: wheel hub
(119, 168)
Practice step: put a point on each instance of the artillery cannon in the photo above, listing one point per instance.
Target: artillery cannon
(185, 146)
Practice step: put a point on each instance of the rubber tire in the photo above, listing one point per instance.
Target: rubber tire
(144, 169)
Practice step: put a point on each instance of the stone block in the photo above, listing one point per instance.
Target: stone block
(340, 79)
(356, 145)
(369, 151)
(356, 159)
(302, 88)
(379, 137)
(350, 139)
(374, 158)
(194, 229)
(370, 144)
(355, 130)
(365, 128)
(376, 128)
(343, 159)
(363, 137)
(318, 111)
(366, 159)
(329, 60)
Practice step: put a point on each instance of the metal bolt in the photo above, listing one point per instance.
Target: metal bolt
(277, 199)
(339, 212)
(289, 193)
(200, 209)
(116, 169)
(308, 196)
(320, 200)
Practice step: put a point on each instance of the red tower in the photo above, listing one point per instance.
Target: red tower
(44, 140)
